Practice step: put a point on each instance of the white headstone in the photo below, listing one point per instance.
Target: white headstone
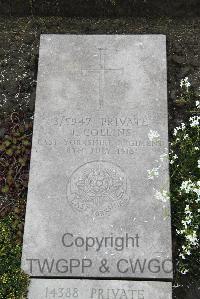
(95, 206)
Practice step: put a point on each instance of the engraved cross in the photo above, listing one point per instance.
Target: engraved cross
(101, 72)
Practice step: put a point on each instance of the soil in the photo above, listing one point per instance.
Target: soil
(100, 8)
(19, 46)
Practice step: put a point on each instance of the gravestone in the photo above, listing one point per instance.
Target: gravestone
(98, 289)
(97, 198)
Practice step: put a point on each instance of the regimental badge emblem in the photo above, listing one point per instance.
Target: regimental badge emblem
(98, 188)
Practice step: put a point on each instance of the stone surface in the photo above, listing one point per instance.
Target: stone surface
(98, 289)
(92, 211)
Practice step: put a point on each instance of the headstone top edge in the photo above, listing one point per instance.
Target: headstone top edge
(45, 35)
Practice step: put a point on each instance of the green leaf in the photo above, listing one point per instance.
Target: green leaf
(9, 152)
(7, 143)
(25, 142)
(2, 147)
(22, 161)
(5, 189)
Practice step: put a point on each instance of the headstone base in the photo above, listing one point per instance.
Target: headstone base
(98, 289)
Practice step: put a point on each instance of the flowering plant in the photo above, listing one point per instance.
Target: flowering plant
(184, 161)
(185, 192)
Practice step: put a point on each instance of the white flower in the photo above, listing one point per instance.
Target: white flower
(192, 238)
(182, 126)
(198, 104)
(185, 136)
(186, 250)
(186, 222)
(153, 135)
(185, 271)
(152, 173)
(187, 186)
(197, 191)
(183, 257)
(173, 159)
(161, 196)
(196, 148)
(176, 130)
(194, 121)
(185, 83)
(187, 210)
(198, 163)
